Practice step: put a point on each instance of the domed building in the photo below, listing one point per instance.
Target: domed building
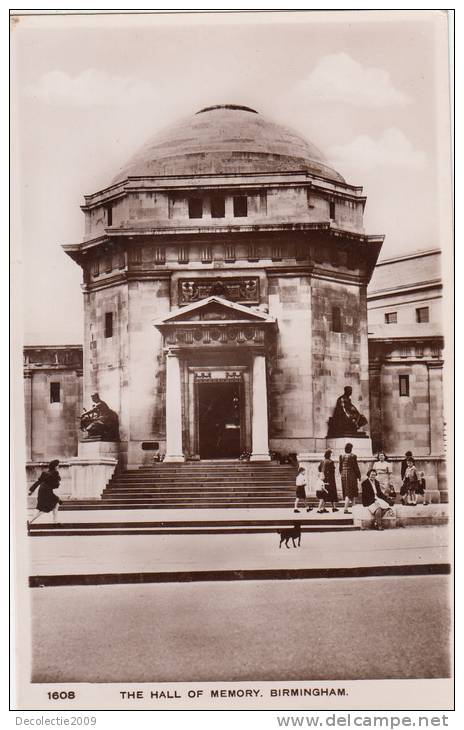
(225, 270)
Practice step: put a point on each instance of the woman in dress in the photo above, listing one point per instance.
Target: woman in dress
(384, 471)
(349, 470)
(47, 501)
(327, 472)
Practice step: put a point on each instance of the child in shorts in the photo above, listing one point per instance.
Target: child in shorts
(421, 488)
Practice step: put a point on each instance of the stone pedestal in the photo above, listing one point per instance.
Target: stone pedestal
(97, 449)
(92, 469)
(362, 446)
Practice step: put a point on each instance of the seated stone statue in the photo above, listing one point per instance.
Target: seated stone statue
(346, 419)
(100, 421)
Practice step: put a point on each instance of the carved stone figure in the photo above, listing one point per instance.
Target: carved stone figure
(346, 419)
(100, 421)
(188, 291)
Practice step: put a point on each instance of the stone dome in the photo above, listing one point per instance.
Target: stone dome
(226, 139)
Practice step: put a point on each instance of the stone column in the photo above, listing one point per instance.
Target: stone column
(435, 373)
(259, 423)
(28, 408)
(173, 408)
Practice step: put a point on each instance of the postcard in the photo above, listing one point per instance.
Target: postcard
(232, 265)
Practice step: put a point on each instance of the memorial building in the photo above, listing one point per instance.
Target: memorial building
(225, 272)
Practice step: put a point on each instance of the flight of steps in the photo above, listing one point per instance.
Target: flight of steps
(201, 485)
(194, 485)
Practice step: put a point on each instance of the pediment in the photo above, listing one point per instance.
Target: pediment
(214, 309)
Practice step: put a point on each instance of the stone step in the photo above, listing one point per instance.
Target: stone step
(100, 504)
(203, 480)
(237, 501)
(46, 532)
(203, 487)
(193, 527)
(239, 492)
(205, 474)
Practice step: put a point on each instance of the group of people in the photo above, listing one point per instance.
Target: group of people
(378, 493)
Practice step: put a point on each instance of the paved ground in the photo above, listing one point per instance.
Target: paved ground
(260, 630)
(171, 553)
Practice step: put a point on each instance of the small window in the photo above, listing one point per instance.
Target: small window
(391, 318)
(336, 319)
(55, 392)
(422, 315)
(206, 254)
(109, 215)
(404, 385)
(240, 206)
(332, 211)
(108, 324)
(195, 208)
(218, 207)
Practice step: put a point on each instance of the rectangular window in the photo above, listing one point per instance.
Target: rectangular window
(276, 252)
(240, 206)
(336, 319)
(218, 207)
(391, 318)
(55, 392)
(422, 315)
(195, 208)
(108, 324)
(159, 255)
(109, 215)
(404, 385)
(183, 255)
(229, 253)
(332, 211)
(253, 252)
(206, 254)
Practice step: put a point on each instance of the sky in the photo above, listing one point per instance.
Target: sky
(88, 91)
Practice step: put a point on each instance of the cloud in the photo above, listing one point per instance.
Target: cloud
(340, 78)
(391, 150)
(91, 88)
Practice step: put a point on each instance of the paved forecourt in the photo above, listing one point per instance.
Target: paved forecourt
(171, 557)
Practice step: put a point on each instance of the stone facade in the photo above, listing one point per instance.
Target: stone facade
(406, 355)
(261, 222)
(53, 401)
(226, 307)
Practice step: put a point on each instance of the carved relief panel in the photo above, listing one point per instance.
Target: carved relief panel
(241, 290)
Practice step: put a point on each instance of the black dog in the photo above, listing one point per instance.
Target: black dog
(291, 533)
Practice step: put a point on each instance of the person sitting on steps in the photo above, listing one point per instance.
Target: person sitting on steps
(374, 499)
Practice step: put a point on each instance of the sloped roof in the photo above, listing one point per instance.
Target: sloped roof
(226, 310)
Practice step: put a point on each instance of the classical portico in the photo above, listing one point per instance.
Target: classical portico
(216, 382)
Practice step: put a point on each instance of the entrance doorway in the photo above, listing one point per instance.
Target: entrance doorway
(219, 420)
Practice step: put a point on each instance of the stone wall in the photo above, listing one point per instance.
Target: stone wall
(280, 202)
(106, 358)
(407, 422)
(144, 398)
(338, 358)
(52, 427)
(290, 392)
